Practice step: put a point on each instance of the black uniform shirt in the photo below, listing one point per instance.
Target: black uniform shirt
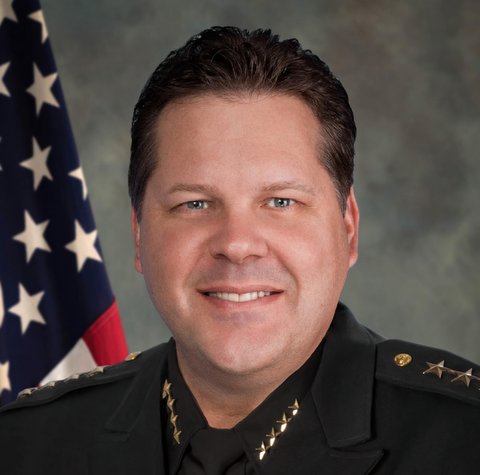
(238, 451)
(375, 406)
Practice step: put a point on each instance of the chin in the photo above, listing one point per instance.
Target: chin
(245, 357)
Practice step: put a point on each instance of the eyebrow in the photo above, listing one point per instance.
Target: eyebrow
(194, 188)
(289, 185)
(213, 190)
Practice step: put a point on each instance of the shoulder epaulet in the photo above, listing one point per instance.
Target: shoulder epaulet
(428, 369)
(56, 389)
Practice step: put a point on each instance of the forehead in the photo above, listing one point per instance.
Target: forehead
(248, 127)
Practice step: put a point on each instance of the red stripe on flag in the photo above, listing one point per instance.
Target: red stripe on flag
(105, 338)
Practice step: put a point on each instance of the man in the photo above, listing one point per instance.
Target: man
(245, 225)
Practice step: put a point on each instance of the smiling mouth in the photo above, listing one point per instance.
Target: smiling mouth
(233, 297)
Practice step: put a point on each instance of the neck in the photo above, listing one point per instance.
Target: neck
(225, 399)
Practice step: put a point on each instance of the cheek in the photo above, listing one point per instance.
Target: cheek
(168, 255)
(157, 255)
(322, 239)
(318, 254)
(162, 274)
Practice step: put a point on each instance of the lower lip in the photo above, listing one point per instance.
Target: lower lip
(227, 304)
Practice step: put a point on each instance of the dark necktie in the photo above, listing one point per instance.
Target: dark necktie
(214, 452)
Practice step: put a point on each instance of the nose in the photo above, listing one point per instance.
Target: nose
(238, 237)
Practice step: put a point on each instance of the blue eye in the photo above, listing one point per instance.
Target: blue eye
(197, 204)
(281, 202)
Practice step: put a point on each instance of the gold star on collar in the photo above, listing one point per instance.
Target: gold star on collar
(262, 451)
(465, 377)
(283, 423)
(166, 389)
(166, 394)
(274, 434)
(294, 407)
(436, 368)
(170, 403)
(176, 435)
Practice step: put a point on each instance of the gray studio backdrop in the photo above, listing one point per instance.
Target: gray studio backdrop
(412, 69)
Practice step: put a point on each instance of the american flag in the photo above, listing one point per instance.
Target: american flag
(57, 311)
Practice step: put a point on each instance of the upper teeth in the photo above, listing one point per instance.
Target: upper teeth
(232, 297)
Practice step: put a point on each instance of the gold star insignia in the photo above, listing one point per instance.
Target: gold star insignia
(465, 377)
(263, 450)
(283, 423)
(170, 403)
(294, 407)
(166, 389)
(272, 437)
(166, 394)
(176, 435)
(436, 368)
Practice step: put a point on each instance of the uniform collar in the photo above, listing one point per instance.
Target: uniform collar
(343, 389)
(251, 431)
(342, 394)
(132, 440)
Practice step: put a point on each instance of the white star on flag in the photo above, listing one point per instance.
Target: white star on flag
(38, 16)
(27, 308)
(4, 379)
(32, 236)
(38, 164)
(78, 174)
(3, 87)
(41, 89)
(6, 11)
(84, 246)
(2, 308)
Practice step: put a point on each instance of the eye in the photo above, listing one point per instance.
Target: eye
(281, 202)
(197, 204)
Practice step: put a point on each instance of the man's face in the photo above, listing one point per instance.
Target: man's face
(242, 242)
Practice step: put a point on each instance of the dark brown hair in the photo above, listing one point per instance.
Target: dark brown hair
(229, 61)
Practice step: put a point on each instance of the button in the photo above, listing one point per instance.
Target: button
(402, 359)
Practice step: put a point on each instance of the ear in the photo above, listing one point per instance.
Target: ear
(136, 240)
(351, 219)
